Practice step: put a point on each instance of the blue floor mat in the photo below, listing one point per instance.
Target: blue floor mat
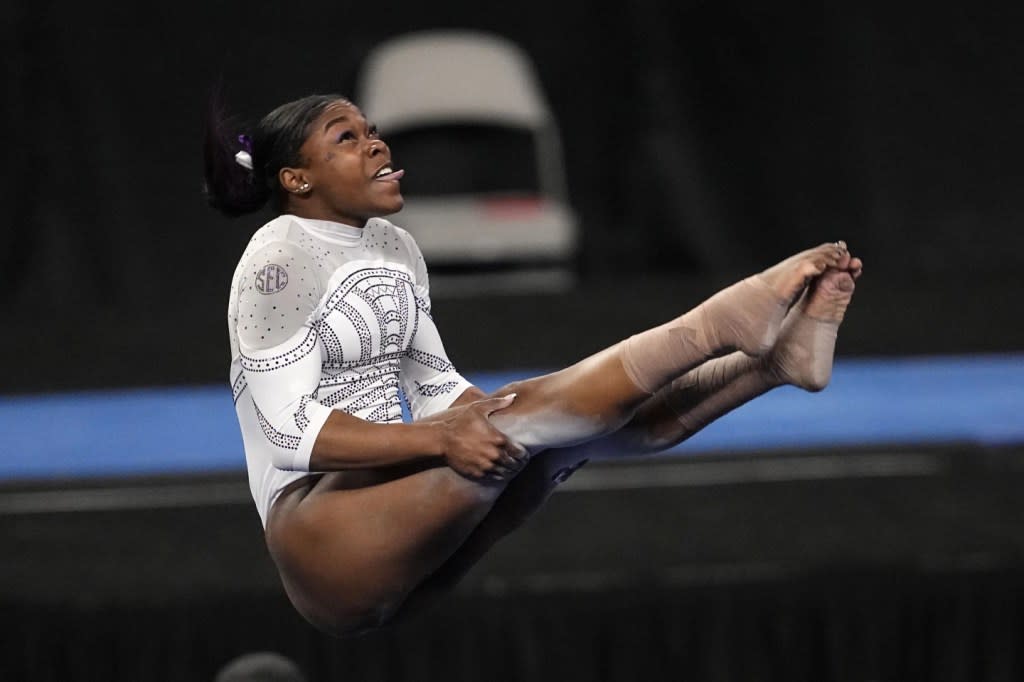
(911, 401)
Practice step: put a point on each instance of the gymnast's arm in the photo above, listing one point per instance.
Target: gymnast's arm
(463, 439)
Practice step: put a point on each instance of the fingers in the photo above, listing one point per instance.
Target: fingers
(480, 449)
(492, 454)
(509, 461)
(491, 405)
(499, 471)
(516, 452)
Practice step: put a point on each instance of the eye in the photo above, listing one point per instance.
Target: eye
(346, 135)
(373, 132)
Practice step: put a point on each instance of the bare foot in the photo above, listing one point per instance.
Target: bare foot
(803, 354)
(789, 278)
(748, 316)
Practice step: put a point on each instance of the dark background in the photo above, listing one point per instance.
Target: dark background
(703, 142)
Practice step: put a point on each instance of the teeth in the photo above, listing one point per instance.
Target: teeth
(383, 171)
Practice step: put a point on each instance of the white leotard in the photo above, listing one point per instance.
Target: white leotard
(326, 316)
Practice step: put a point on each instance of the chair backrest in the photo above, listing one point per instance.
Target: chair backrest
(466, 116)
(441, 76)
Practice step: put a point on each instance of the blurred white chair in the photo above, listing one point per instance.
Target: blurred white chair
(466, 117)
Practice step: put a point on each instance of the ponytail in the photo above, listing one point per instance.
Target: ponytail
(230, 187)
(274, 143)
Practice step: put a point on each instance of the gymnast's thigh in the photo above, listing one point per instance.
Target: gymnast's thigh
(349, 548)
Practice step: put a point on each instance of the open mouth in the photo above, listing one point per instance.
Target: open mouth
(388, 173)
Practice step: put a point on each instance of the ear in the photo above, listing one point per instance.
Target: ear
(294, 180)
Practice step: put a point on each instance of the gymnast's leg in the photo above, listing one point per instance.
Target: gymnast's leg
(801, 357)
(351, 545)
(600, 394)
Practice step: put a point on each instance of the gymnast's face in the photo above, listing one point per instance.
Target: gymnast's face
(348, 176)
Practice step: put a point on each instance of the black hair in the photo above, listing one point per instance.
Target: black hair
(273, 143)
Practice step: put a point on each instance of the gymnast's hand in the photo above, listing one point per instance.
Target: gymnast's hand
(473, 447)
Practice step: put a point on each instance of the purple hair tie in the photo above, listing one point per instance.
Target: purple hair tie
(244, 157)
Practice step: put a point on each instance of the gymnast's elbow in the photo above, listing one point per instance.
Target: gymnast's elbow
(290, 449)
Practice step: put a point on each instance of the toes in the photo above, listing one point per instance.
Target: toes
(835, 254)
(834, 249)
(856, 267)
(832, 255)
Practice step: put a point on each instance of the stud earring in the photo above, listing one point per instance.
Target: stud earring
(305, 187)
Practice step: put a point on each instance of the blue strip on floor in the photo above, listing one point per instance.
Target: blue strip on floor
(926, 400)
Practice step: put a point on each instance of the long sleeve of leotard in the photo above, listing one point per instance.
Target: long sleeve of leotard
(428, 378)
(281, 351)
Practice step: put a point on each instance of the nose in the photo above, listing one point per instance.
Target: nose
(376, 147)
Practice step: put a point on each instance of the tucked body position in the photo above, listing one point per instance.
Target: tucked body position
(368, 517)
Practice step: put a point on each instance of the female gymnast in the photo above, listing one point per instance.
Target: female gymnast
(368, 518)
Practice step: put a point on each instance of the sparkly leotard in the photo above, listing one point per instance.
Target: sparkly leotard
(324, 316)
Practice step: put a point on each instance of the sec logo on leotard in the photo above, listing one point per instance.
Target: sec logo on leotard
(271, 279)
